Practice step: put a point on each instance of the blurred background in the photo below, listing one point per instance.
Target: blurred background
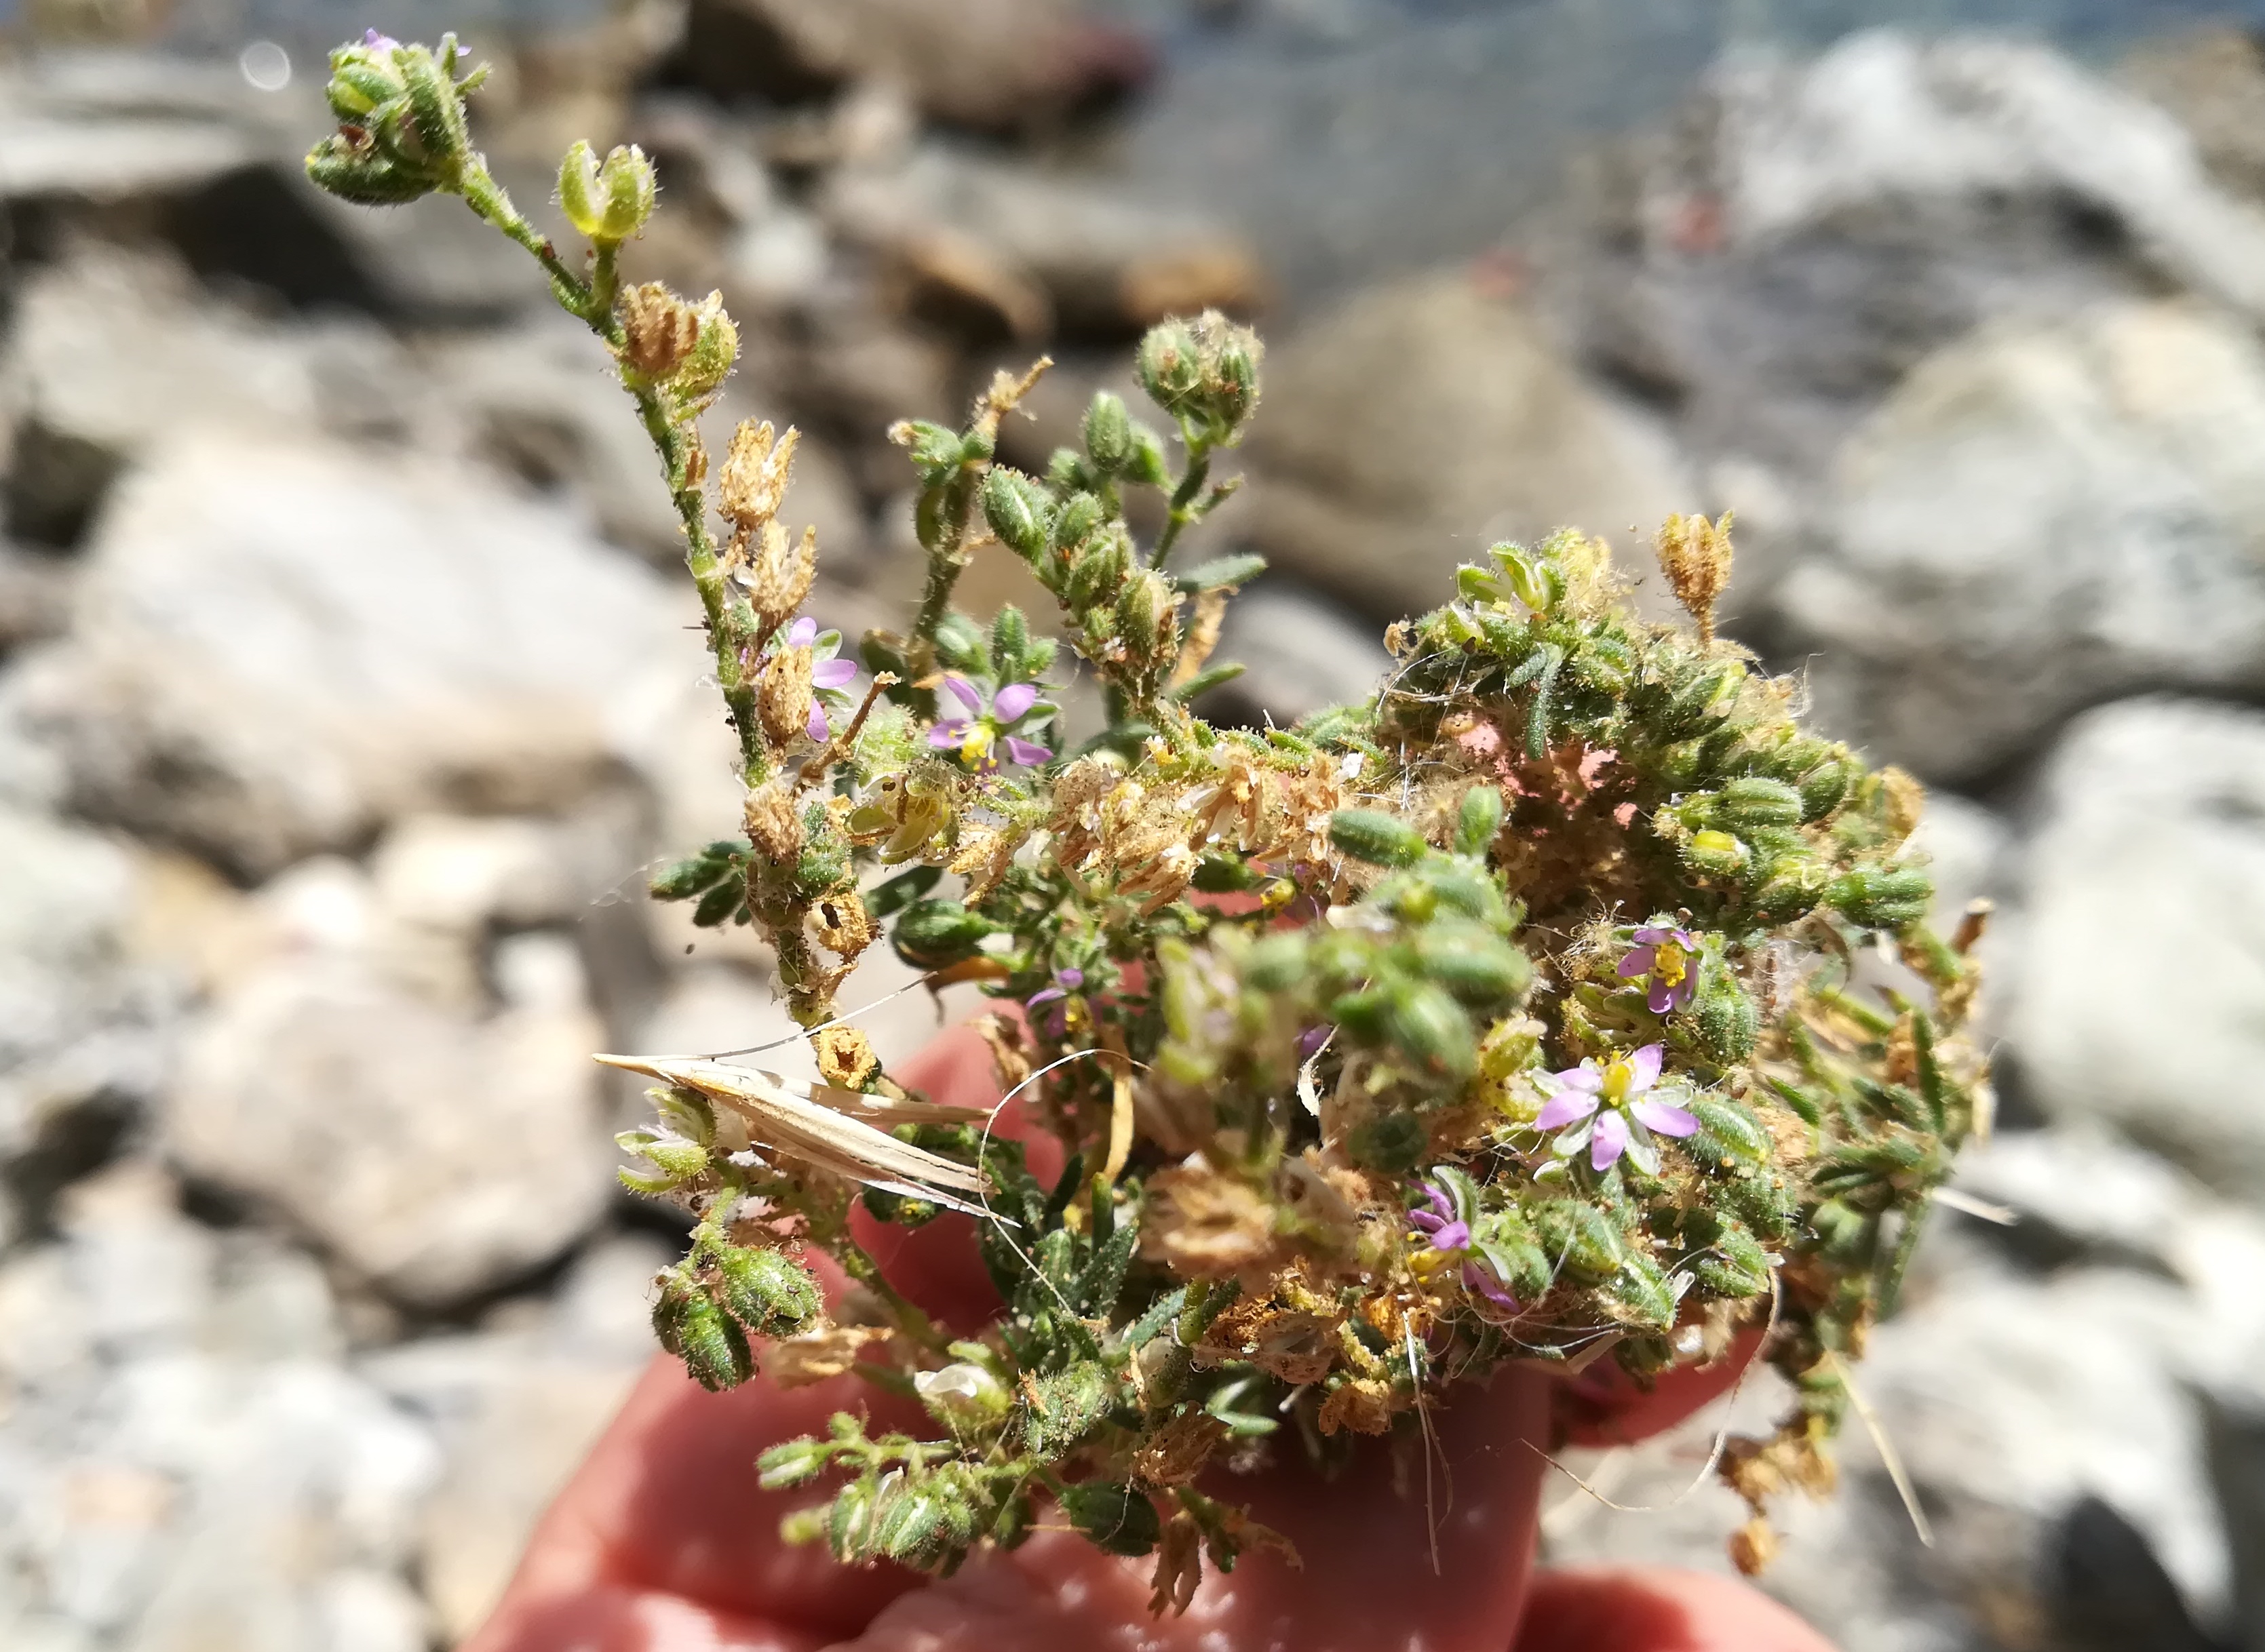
(347, 694)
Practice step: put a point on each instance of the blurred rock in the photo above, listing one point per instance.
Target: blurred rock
(438, 1151)
(1426, 421)
(82, 1029)
(2002, 526)
(2137, 979)
(1301, 651)
(184, 1467)
(2211, 81)
(1034, 251)
(56, 145)
(998, 65)
(282, 646)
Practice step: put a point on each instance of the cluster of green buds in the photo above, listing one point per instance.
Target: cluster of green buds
(402, 132)
(1509, 1015)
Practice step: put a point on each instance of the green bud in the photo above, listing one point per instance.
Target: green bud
(709, 1343)
(1076, 521)
(1146, 463)
(850, 1521)
(1429, 1026)
(363, 80)
(714, 349)
(1883, 897)
(936, 452)
(1478, 820)
(1018, 510)
(608, 203)
(1069, 1405)
(1478, 968)
(793, 1463)
(1582, 1235)
(963, 1395)
(769, 1293)
(1118, 1519)
(356, 170)
(1382, 840)
(1224, 875)
(1144, 608)
(1643, 1289)
(908, 1525)
(931, 934)
(1715, 854)
(1823, 788)
(1169, 365)
(678, 1160)
(960, 643)
(1756, 800)
(1099, 572)
(1232, 375)
(1728, 1136)
(1108, 433)
(1726, 1020)
(1734, 1264)
(436, 109)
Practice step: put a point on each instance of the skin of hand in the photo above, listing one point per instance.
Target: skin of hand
(663, 1542)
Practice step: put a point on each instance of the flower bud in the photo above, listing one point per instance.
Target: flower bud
(1066, 1406)
(930, 934)
(363, 78)
(1429, 1026)
(1478, 820)
(769, 1294)
(1477, 968)
(1726, 1020)
(909, 1524)
(677, 1160)
(1716, 854)
(1883, 897)
(1144, 611)
(850, 1521)
(1169, 366)
(793, 1463)
(714, 348)
(1382, 840)
(436, 109)
(936, 452)
(1728, 1135)
(1146, 463)
(1823, 788)
(1018, 510)
(608, 203)
(1108, 433)
(1099, 572)
(1080, 514)
(713, 1348)
(1756, 800)
(1118, 1519)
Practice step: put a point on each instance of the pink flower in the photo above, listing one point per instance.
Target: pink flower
(1449, 1232)
(977, 736)
(1616, 1095)
(1665, 957)
(1066, 982)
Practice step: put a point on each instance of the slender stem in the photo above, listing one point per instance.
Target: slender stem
(486, 197)
(1184, 498)
(858, 1263)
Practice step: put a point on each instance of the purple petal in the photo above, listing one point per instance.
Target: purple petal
(371, 37)
(1310, 1043)
(1580, 1079)
(1452, 1236)
(1563, 1108)
(1050, 995)
(948, 734)
(964, 691)
(1652, 935)
(820, 730)
(1661, 999)
(833, 673)
(802, 633)
(1428, 1221)
(1667, 1119)
(1482, 1279)
(1030, 754)
(1643, 961)
(1070, 977)
(1643, 1067)
(1013, 700)
(1610, 1141)
(1683, 990)
(1440, 1202)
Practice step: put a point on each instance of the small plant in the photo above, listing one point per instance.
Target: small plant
(1510, 1016)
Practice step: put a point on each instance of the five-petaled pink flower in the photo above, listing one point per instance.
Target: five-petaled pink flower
(977, 736)
(1449, 1233)
(1618, 1089)
(1666, 958)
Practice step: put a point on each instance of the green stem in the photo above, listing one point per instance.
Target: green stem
(858, 1263)
(1184, 498)
(486, 197)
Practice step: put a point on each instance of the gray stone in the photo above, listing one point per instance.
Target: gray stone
(994, 64)
(435, 1148)
(1426, 421)
(2042, 516)
(2137, 973)
(1041, 251)
(285, 645)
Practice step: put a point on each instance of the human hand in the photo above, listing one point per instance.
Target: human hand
(663, 1541)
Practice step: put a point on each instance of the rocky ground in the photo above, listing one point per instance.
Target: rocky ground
(346, 694)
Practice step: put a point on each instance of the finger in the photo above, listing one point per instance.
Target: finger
(1368, 1541)
(1644, 1609)
(667, 1507)
(1606, 1405)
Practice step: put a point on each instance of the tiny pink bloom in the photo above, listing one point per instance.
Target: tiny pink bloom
(1608, 1141)
(802, 633)
(947, 734)
(819, 729)
(1011, 702)
(965, 692)
(1614, 1095)
(1066, 982)
(1029, 753)
(1663, 956)
(833, 673)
